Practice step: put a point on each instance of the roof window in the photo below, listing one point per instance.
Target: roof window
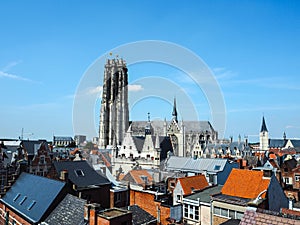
(23, 200)
(79, 173)
(31, 205)
(17, 196)
(217, 167)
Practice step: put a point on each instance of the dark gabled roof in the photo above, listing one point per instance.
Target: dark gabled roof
(296, 143)
(139, 142)
(140, 216)
(263, 126)
(290, 164)
(81, 173)
(277, 143)
(165, 145)
(32, 146)
(62, 138)
(68, 212)
(32, 195)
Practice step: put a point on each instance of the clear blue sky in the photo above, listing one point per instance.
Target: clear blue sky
(253, 47)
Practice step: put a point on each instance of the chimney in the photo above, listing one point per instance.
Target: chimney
(64, 175)
(90, 213)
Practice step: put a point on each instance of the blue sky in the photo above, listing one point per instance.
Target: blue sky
(251, 46)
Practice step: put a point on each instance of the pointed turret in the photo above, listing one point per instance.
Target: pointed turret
(174, 113)
(263, 126)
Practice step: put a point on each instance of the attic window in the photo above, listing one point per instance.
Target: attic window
(31, 205)
(17, 196)
(23, 200)
(79, 173)
(217, 167)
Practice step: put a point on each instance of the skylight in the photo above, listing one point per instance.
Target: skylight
(217, 167)
(17, 196)
(79, 173)
(31, 205)
(23, 200)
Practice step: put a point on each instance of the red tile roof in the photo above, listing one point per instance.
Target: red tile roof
(191, 183)
(137, 174)
(290, 212)
(245, 184)
(260, 218)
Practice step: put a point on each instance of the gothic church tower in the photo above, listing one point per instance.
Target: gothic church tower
(114, 115)
(263, 137)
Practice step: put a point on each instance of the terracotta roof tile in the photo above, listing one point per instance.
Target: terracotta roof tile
(252, 217)
(138, 174)
(191, 183)
(245, 184)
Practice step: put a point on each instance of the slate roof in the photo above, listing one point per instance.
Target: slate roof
(176, 163)
(32, 146)
(290, 164)
(87, 176)
(139, 142)
(68, 212)
(204, 195)
(138, 127)
(212, 165)
(261, 217)
(192, 183)
(296, 143)
(140, 216)
(245, 184)
(27, 198)
(277, 143)
(263, 126)
(62, 138)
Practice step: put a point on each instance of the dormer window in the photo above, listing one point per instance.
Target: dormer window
(79, 173)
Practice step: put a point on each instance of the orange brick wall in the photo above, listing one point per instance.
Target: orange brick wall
(146, 201)
(12, 216)
(115, 221)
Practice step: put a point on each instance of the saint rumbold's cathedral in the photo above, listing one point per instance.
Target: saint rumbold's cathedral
(143, 144)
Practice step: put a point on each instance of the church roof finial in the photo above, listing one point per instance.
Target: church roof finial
(263, 126)
(174, 113)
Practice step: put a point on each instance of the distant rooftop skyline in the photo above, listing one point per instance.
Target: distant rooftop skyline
(251, 47)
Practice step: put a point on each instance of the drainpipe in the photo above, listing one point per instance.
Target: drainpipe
(211, 212)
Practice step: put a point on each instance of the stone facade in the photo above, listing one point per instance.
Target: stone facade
(114, 114)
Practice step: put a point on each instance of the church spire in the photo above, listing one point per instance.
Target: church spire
(174, 113)
(263, 126)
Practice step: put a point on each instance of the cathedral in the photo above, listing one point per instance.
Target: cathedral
(144, 144)
(114, 114)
